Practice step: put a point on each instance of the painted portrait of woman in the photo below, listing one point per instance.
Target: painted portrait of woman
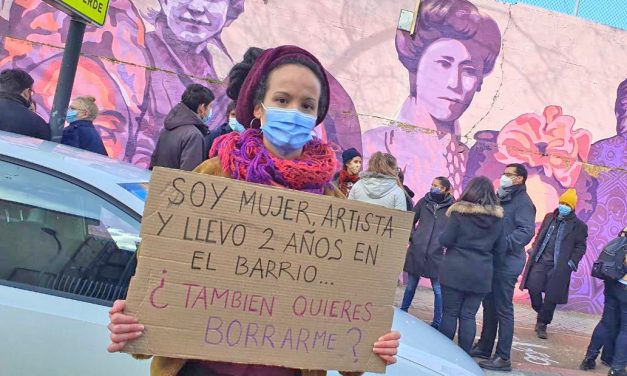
(454, 48)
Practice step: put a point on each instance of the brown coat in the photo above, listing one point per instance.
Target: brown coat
(162, 366)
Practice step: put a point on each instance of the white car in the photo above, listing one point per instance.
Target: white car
(69, 229)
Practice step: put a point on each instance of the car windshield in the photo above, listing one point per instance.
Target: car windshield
(138, 189)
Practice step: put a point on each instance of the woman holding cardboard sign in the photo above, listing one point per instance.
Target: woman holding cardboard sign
(282, 94)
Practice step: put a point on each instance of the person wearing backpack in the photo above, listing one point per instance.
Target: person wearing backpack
(556, 252)
(611, 332)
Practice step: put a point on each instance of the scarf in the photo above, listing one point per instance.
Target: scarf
(345, 177)
(244, 157)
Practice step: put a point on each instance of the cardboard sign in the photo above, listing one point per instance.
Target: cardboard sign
(245, 273)
(92, 11)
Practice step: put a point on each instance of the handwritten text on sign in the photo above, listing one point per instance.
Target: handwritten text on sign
(245, 273)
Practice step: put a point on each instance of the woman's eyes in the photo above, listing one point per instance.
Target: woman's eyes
(470, 71)
(444, 63)
(281, 100)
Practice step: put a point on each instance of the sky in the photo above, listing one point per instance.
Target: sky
(609, 12)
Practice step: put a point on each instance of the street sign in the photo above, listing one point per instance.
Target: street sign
(91, 11)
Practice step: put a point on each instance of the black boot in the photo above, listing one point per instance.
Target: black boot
(617, 372)
(542, 331)
(476, 352)
(587, 364)
(497, 364)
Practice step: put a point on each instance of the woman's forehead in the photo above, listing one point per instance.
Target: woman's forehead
(294, 80)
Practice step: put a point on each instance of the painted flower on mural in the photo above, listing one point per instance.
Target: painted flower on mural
(548, 141)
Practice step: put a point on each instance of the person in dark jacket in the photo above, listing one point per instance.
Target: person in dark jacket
(227, 127)
(80, 132)
(16, 104)
(425, 253)
(349, 175)
(181, 144)
(606, 332)
(498, 306)
(557, 250)
(474, 242)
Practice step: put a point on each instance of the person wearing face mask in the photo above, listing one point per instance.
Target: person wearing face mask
(425, 253)
(16, 100)
(231, 125)
(80, 131)
(556, 252)
(281, 96)
(349, 175)
(181, 144)
(498, 306)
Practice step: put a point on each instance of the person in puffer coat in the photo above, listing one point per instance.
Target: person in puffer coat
(475, 243)
(425, 253)
(379, 185)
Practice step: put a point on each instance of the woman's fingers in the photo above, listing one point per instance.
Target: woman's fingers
(393, 335)
(124, 337)
(388, 359)
(115, 347)
(392, 350)
(118, 307)
(125, 328)
(120, 318)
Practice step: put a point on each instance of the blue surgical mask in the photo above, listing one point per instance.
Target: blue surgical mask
(436, 190)
(287, 129)
(71, 116)
(236, 126)
(564, 210)
(207, 118)
(506, 181)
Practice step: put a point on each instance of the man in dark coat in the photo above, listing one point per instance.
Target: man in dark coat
(498, 306)
(557, 250)
(425, 253)
(182, 142)
(16, 99)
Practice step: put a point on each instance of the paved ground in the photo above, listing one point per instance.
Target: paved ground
(559, 355)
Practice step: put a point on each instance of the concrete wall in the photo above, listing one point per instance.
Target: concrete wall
(481, 85)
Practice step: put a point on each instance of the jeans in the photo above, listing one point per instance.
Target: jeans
(410, 291)
(615, 320)
(601, 337)
(498, 315)
(460, 306)
(544, 309)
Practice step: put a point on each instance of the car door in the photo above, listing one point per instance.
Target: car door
(66, 253)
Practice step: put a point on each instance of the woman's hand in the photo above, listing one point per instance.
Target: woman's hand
(387, 347)
(123, 328)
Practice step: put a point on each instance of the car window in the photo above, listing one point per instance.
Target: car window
(62, 238)
(140, 190)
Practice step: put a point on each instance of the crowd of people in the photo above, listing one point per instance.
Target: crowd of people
(471, 248)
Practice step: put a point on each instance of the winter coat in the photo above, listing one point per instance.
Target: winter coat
(519, 226)
(18, 118)
(164, 366)
(181, 144)
(474, 239)
(211, 137)
(379, 189)
(425, 253)
(570, 246)
(83, 135)
(409, 197)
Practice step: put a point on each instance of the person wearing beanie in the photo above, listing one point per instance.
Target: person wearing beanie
(555, 255)
(349, 175)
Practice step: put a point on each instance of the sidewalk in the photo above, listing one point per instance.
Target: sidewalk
(559, 355)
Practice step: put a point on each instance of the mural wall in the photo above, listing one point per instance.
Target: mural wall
(481, 84)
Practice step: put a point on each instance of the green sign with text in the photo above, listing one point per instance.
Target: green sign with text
(92, 11)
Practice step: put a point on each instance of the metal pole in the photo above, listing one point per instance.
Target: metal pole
(67, 73)
(576, 12)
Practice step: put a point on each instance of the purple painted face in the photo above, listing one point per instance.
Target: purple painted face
(447, 79)
(195, 21)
